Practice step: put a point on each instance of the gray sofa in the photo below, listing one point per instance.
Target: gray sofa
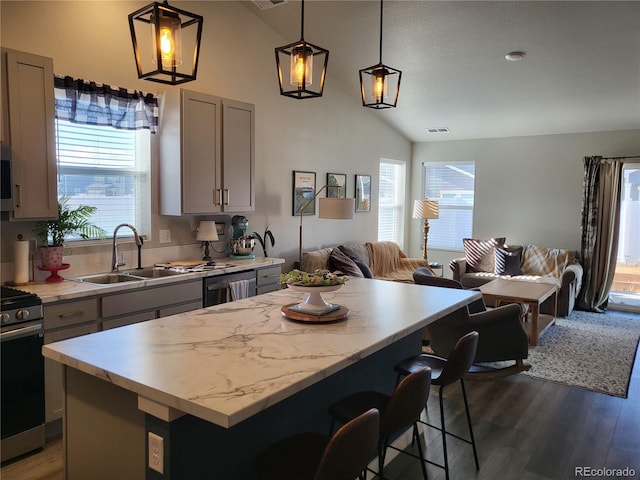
(535, 264)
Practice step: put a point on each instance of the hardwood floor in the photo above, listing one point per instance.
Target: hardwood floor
(525, 429)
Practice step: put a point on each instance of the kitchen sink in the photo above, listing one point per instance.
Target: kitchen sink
(128, 276)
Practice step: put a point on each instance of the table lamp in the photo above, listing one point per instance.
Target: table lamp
(207, 232)
(426, 209)
(329, 207)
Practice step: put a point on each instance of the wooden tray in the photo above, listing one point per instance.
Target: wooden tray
(331, 317)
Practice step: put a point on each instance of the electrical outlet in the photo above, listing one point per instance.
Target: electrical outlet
(165, 236)
(156, 453)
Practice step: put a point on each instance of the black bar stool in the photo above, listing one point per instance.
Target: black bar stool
(314, 456)
(445, 372)
(398, 412)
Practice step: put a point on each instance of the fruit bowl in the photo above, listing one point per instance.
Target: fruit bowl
(314, 303)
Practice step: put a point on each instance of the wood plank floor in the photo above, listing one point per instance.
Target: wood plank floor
(526, 429)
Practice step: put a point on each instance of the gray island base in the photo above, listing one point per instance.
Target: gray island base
(220, 384)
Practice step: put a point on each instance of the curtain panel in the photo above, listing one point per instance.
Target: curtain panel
(600, 228)
(89, 103)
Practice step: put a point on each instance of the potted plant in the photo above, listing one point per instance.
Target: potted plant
(52, 233)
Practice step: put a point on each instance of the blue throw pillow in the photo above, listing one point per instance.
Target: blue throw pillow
(364, 268)
(507, 262)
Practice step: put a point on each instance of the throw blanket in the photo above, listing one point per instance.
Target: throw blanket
(388, 262)
(545, 261)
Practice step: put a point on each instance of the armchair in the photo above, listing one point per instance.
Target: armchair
(502, 337)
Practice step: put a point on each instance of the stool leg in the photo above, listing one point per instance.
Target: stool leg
(382, 452)
(444, 434)
(423, 460)
(473, 441)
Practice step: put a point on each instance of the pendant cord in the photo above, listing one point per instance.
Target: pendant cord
(380, 31)
(302, 22)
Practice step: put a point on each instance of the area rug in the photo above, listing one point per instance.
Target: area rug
(589, 350)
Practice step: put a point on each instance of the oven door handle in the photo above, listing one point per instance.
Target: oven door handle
(21, 332)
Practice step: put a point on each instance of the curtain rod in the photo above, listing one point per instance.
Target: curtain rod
(620, 158)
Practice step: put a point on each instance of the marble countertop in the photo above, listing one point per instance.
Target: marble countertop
(226, 363)
(69, 289)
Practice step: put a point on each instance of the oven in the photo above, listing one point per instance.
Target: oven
(22, 373)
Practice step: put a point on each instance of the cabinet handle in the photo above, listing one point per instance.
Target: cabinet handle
(228, 196)
(219, 197)
(271, 275)
(71, 314)
(19, 195)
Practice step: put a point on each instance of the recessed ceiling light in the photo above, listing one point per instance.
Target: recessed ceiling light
(438, 130)
(515, 56)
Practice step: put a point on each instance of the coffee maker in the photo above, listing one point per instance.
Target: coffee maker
(241, 244)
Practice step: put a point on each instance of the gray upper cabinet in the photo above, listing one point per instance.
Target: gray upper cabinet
(206, 154)
(28, 127)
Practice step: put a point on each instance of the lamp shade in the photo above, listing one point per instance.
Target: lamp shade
(207, 232)
(425, 209)
(336, 208)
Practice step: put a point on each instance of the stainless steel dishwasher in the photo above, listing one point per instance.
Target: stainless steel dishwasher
(217, 289)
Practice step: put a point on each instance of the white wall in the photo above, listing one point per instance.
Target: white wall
(91, 40)
(528, 189)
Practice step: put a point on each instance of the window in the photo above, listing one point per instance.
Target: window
(106, 168)
(103, 151)
(391, 202)
(452, 184)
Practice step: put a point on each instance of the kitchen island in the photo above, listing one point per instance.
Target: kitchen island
(220, 384)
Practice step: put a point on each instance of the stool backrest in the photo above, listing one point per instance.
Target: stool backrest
(406, 403)
(460, 359)
(351, 448)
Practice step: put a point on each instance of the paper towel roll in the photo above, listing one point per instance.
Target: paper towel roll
(21, 259)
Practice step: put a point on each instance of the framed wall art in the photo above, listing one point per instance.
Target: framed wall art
(304, 189)
(336, 185)
(363, 193)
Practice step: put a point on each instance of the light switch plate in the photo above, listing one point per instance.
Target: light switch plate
(165, 236)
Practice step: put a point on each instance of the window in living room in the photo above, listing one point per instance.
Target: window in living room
(103, 148)
(391, 201)
(625, 291)
(452, 184)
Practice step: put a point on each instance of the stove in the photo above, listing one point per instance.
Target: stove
(17, 306)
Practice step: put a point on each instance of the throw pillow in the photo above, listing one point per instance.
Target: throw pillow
(480, 255)
(339, 261)
(364, 268)
(356, 250)
(507, 261)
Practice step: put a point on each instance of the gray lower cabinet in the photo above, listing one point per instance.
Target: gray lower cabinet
(62, 321)
(140, 305)
(268, 279)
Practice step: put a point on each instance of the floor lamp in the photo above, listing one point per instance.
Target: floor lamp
(329, 207)
(426, 209)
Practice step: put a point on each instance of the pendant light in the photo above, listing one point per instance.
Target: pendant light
(301, 67)
(169, 31)
(379, 83)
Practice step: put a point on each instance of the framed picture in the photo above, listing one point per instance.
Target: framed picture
(336, 185)
(304, 189)
(363, 193)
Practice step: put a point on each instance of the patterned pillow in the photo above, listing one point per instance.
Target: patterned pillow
(507, 261)
(339, 261)
(480, 255)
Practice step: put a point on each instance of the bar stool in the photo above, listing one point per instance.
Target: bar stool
(445, 372)
(398, 412)
(314, 456)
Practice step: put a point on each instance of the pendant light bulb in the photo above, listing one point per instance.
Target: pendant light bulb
(379, 87)
(167, 41)
(301, 69)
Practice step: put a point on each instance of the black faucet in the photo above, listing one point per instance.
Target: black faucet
(114, 254)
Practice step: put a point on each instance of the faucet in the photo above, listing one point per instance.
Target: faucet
(114, 255)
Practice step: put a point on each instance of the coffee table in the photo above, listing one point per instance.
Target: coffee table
(503, 290)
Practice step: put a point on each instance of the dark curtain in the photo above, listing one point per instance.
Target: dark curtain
(90, 103)
(600, 226)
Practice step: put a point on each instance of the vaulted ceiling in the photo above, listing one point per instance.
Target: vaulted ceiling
(581, 72)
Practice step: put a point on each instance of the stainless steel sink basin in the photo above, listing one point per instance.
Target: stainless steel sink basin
(108, 278)
(128, 276)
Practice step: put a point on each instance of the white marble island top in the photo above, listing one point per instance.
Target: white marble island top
(226, 363)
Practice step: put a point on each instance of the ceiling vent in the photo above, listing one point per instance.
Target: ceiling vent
(267, 4)
(438, 130)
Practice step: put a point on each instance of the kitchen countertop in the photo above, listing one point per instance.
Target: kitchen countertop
(228, 362)
(70, 289)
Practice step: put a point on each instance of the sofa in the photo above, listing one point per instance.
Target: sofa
(486, 260)
(381, 260)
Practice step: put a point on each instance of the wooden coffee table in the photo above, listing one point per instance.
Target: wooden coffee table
(531, 293)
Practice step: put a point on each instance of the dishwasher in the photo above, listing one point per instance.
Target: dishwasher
(218, 289)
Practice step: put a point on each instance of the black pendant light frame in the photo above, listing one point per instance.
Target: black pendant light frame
(379, 70)
(151, 15)
(301, 91)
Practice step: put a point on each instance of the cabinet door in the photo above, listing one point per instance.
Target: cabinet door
(238, 167)
(201, 170)
(31, 128)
